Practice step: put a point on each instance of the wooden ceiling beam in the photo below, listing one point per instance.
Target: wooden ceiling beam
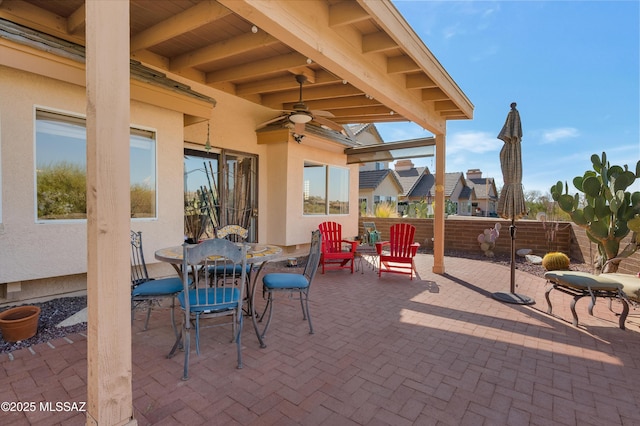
(310, 94)
(38, 19)
(445, 106)
(377, 42)
(362, 111)
(370, 119)
(76, 21)
(345, 13)
(192, 18)
(419, 81)
(434, 94)
(339, 50)
(257, 68)
(342, 102)
(451, 113)
(287, 82)
(267, 85)
(401, 65)
(224, 49)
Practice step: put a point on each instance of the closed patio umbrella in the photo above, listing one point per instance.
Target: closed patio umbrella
(511, 204)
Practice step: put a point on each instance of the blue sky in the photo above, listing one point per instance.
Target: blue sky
(573, 67)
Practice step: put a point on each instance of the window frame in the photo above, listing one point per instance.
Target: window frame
(327, 184)
(69, 116)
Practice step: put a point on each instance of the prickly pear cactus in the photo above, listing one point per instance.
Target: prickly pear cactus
(607, 211)
(555, 261)
(488, 239)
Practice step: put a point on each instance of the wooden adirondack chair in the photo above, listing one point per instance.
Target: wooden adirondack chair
(336, 253)
(396, 255)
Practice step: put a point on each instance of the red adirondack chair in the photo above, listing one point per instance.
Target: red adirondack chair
(396, 255)
(336, 252)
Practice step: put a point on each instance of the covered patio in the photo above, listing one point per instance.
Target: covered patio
(435, 350)
(191, 75)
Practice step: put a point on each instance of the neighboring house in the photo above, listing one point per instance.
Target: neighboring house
(486, 194)
(368, 135)
(408, 175)
(459, 193)
(378, 183)
(419, 185)
(378, 186)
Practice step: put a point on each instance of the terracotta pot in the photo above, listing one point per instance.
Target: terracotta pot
(19, 323)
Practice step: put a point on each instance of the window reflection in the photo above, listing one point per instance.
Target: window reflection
(325, 189)
(61, 168)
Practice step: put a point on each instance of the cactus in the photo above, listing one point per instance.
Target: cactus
(555, 261)
(418, 209)
(609, 212)
(488, 239)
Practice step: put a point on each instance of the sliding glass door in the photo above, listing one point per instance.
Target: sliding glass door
(219, 189)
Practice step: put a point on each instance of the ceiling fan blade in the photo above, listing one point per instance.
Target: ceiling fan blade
(273, 120)
(330, 124)
(320, 113)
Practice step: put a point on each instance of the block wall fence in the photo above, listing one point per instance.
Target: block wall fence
(461, 234)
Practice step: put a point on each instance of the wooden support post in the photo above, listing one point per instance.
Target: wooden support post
(438, 221)
(109, 392)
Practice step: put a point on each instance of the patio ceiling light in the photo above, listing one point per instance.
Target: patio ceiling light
(300, 117)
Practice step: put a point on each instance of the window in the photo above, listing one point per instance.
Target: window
(61, 169)
(325, 190)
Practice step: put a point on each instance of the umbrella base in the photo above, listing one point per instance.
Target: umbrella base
(518, 299)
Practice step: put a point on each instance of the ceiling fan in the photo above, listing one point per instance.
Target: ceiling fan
(301, 114)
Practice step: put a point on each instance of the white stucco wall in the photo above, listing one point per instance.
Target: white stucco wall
(285, 174)
(30, 250)
(39, 254)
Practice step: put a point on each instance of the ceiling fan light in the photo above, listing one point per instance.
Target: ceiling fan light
(300, 117)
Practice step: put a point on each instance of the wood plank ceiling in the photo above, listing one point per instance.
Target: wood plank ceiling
(215, 43)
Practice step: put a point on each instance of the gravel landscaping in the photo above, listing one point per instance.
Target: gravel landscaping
(52, 313)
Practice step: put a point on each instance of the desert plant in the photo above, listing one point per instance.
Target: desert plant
(418, 209)
(488, 239)
(385, 210)
(608, 212)
(555, 261)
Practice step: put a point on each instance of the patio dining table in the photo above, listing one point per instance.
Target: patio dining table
(257, 254)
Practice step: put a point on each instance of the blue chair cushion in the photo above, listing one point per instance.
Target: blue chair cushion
(211, 299)
(158, 287)
(284, 281)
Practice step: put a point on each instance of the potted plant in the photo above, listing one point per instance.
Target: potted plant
(19, 323)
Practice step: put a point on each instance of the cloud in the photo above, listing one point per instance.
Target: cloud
(451, 31)
(553, 135)
(472, 142)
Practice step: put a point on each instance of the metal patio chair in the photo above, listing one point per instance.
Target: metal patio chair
(149, 290)
(290, 283)
(212, 295)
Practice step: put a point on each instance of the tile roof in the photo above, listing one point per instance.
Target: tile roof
(424, 186)
(408, 178)
(483, 186)
(371, 179)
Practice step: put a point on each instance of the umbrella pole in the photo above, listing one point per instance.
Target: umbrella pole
(512, 296)
(512, 231)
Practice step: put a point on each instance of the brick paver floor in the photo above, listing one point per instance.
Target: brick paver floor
(438, 350)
